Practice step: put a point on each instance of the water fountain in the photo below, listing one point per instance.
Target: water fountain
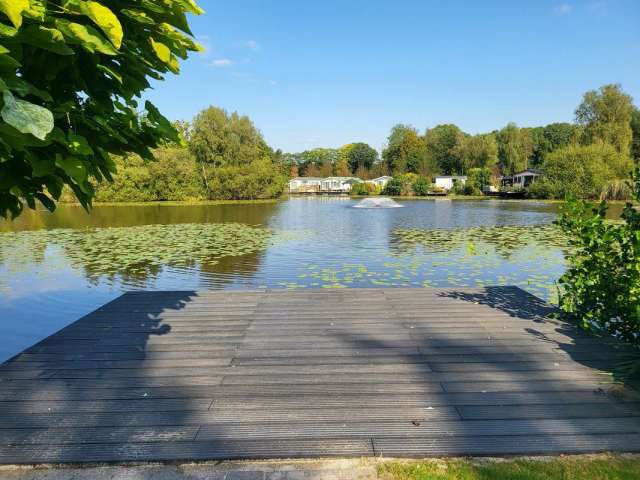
(378, 202)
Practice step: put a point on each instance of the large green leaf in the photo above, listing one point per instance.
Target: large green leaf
(46, 38)
(13, 9)
(105, 19)
(86, 36)
(26, 117)
(72, 166)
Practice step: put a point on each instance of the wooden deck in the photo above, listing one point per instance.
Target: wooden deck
(356, 372)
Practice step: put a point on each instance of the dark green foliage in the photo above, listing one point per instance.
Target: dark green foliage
(361, 155)
(514, 149)
(635, 128)
(393, 187)
(70, 76)
(407, 152)
(421, 186)
(601, 288)
(443, 143)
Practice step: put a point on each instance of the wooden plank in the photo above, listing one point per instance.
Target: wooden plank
(173, 451)
(73, 406)
(484, 412)
(505, 445)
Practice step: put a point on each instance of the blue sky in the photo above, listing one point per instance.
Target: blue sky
(325, 73)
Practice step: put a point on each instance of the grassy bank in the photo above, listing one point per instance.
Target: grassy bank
(179, 203)
(596, 467)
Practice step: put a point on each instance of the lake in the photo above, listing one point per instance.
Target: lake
(57, 267)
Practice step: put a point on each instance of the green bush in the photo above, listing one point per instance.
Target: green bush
(258, 179)
(421, 186)
(393, 187)
(583, 171)
(601, 288)
(360, 189)
(172, 176)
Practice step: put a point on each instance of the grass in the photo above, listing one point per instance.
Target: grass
(600, 467)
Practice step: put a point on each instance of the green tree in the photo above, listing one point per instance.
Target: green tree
(421, 186)
(234, 160)
(361, 156)
(443, 144)
(605, 115)
(583, 171)
(477, 151)
(405, 151)
(220, 139)
(70, 76)
(514, 149)
(317, 162)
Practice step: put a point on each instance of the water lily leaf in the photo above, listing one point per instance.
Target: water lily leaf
(26, 117)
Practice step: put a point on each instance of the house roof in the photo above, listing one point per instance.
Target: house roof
(306, 178)
(342, 178)
(380, 178)
(452, 176)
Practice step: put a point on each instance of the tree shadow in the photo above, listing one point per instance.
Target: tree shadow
(544, 389)
(107, 380)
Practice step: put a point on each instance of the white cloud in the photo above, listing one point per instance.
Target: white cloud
(273, 83)
(222, 62)
(253, 45)
(563, 9)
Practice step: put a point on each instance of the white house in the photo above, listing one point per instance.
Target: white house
(446, 182)
(380, 182)
(338, 184)
(521, 179)
(304, 184)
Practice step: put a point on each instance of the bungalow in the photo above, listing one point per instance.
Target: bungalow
(446, 182)
(380, 182)
(337, 184)
(521, 179)
(304, 185)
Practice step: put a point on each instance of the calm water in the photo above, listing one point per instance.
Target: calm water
(56, 267)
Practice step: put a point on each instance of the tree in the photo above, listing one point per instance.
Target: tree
(406, 152)
(443, 142)
(605, 115)
(635, 128)
(583, 171)
(220, 139)
(477, 151)
(317, 162)
(514, 149)
(234, 160)
(70, 76)
(361, 155)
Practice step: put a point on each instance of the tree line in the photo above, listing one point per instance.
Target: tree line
(221, 156)
(590, 157)
(224, 156)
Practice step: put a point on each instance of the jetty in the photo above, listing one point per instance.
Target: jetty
(185, 376)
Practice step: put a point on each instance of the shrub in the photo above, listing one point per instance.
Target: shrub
(421, 186)
(617, 190)
(540, 189)
(601, 288)
(393, 187)
(258, 179)
(360, 189)
(583, 171)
